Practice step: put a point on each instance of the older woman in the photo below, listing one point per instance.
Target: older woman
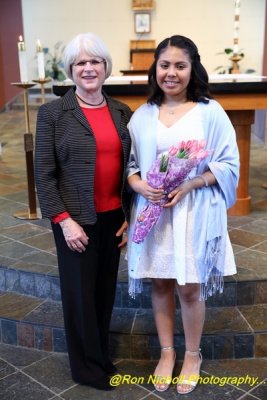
(82, 147)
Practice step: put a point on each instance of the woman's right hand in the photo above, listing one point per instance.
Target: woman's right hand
(142, 187)
(74, 234)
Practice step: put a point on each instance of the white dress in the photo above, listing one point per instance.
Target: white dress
(157, 259)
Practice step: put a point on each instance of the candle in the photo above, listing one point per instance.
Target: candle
(22, 60)
(40, 61)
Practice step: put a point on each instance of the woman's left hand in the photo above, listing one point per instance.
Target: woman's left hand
(179, 193)
(123, 231)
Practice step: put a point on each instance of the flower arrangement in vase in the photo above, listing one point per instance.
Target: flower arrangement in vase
(234, 58)
(54, 62)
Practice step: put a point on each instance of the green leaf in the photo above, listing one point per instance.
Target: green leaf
(164, 163)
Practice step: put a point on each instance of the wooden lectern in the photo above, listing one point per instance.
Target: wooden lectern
(141, 54)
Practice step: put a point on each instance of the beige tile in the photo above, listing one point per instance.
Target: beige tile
(16, 306)
(256, 316)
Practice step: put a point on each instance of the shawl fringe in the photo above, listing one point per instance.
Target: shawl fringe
(135, 287)
(214, 285)
(212, 278)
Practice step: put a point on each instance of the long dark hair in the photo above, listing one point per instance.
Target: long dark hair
(198, 87)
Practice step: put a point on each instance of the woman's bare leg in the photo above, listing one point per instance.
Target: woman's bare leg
(193, 317)
(164, 305)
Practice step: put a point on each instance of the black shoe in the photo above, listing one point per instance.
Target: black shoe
(110, 368)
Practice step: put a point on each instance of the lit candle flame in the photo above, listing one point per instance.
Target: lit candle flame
(21, 45)
(38, 46)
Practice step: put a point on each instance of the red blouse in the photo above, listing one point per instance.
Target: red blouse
(108, 170)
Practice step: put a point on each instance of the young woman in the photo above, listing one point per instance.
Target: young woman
(188, 250)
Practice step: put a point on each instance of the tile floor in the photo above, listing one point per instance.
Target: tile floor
(27, 374)
(34, 375)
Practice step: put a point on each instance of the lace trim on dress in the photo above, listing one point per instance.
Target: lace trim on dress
(211, 280)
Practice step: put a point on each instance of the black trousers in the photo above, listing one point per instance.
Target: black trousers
(88, 285)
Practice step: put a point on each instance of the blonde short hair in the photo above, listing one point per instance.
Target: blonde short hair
(90, 44)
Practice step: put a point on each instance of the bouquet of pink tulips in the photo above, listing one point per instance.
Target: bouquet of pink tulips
(167, 173)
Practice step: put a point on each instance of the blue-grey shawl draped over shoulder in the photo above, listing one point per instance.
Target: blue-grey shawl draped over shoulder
(211, 204)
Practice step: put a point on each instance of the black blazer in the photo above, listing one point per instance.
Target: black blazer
(65, 155)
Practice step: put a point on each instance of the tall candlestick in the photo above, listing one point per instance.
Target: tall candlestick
(22, 60)
(40, 60)
(236, 27)
(236, 57)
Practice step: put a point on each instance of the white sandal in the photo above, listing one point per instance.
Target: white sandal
(162, 383)
(191, 383)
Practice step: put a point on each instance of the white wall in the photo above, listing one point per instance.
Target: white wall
(209, 23)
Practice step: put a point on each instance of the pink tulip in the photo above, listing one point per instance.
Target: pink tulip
(173, 150)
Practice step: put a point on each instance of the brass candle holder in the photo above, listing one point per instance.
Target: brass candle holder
(42, 83)
(31, 213)
(235, 60)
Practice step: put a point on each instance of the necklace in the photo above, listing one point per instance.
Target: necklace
(89, 104)
(172, 111)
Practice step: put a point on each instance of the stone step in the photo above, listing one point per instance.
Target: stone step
(229, 332)
(45, 285)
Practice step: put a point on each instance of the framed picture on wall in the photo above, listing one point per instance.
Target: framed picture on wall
(142, 22)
